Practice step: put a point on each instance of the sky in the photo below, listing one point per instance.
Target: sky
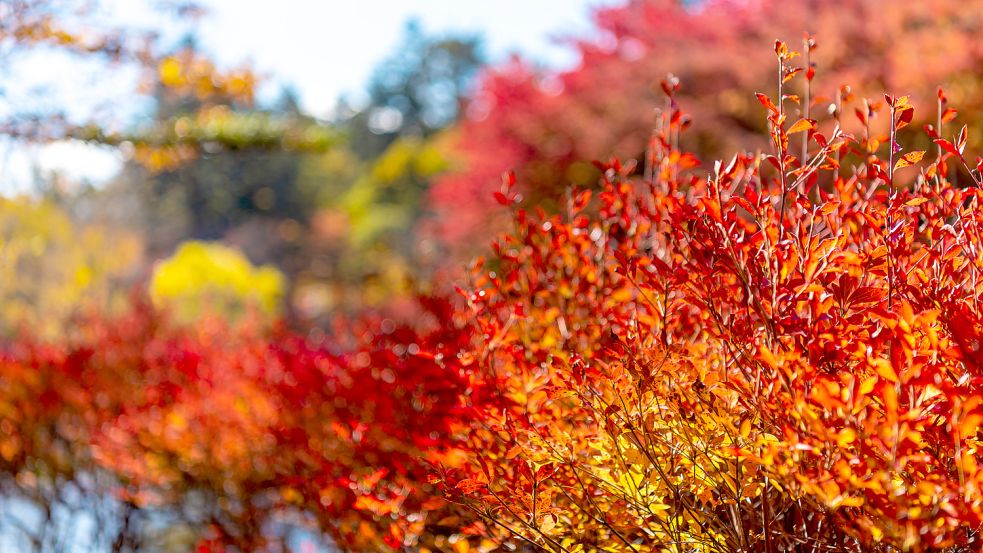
(322, 48)
(329, 47)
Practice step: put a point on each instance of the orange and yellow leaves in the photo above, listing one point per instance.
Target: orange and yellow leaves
(909, 159)
(186, 73)
(793, 371)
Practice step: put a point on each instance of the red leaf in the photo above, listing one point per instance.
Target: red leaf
(774, 161)
(860, 115)
(904, 118)
(745, 205)
(949, 114)
(947, 146)
(509, 179)
(766, 102)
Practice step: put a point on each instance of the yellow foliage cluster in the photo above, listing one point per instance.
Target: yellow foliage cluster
(373, 202)
(51, 267)
(187, 73)
(202, 274)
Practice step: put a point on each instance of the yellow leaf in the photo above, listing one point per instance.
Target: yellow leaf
(170, 72)
(548, 524)
(746, 428)
(909, 159)
(886, 371)
(846, 437)
(867, 386)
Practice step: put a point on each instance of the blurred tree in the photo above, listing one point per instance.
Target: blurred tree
(53, 30)
(549, 125)
(370, 193)
(417, 90)
(196, 120)
(240, 182)
(365, 250)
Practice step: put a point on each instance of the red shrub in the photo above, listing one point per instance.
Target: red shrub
(547, 126)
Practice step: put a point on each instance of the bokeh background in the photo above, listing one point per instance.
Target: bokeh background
(370, 91)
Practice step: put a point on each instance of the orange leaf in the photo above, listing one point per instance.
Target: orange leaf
(909, 159)
(766, 102)
(886, 371)
(802, 125)
(791, 74)
(829, 207)
(948, 115)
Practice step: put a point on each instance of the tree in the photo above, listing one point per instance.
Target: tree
(776, 351)
(549, 125)
(214, 166)
(371, 192)
(56, 267)
(76, 28)
(417, 90)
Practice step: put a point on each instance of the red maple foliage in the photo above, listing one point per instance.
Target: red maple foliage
(548, 126)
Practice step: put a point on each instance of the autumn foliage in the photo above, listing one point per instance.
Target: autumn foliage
(548, 125)
(778, 351)
(251, 427)
(772, 353)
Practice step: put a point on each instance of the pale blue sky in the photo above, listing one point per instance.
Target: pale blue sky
(323, 48)
(330, 46)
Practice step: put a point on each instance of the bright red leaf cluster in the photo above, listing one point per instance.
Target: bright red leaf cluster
(548, 126)
(780, 353)
(235, 430)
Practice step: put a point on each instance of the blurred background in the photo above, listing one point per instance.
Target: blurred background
(282, 153)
